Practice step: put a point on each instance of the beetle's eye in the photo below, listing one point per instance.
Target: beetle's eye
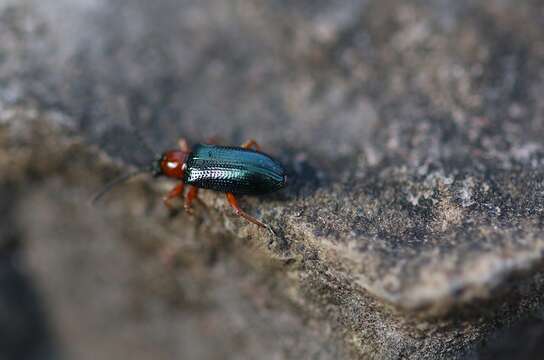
(156, 168)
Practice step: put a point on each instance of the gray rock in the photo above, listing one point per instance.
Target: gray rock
(413, 227)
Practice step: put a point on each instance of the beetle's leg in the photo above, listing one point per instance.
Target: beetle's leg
(234, 204)
(184, 145)
(175, 192)
(191, 195)
(212, 140)
(251, 143)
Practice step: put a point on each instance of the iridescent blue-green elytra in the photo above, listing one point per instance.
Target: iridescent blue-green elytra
(233, 170)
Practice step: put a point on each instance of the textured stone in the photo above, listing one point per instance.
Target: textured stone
(413, 226)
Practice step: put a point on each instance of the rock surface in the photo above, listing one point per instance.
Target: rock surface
(413, 226)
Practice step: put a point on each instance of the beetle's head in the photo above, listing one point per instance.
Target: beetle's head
(170, 164)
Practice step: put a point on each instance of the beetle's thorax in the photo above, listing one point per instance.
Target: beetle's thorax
(173, 163)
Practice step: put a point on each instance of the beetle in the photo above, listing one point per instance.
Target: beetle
(233, 170)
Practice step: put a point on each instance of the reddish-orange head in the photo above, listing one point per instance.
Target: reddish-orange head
(171, 164)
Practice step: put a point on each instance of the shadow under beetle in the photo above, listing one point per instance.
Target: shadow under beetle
(243, 170)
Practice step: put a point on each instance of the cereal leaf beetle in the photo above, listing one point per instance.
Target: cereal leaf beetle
(243, 170)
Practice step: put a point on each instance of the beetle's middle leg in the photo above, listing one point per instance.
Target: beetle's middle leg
(192, 194)
(175, 192)
(212, 140)
(234, 204)
(251, 143)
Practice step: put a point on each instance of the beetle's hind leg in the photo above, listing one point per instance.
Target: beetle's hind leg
(234, 204)
(251, 143)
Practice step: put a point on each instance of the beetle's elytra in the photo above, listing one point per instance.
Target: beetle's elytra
(233, 170)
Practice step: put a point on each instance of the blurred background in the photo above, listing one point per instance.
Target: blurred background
(429, 113)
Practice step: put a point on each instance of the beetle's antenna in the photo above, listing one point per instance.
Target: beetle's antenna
(119, 180)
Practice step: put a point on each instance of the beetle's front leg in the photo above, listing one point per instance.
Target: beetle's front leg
(184, 145)
(175, 192)
(234, 204)
(251, 143)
